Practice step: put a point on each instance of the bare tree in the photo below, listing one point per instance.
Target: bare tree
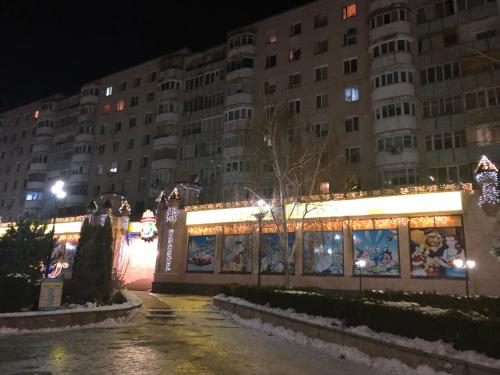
(291, 161)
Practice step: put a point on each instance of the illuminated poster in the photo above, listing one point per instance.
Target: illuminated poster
(323, 253)
(237, 253)
(148, 226)
(201, 254)
(433, 250)
(272, 257)
(379, 248)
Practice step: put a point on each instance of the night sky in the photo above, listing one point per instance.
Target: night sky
(55, 46)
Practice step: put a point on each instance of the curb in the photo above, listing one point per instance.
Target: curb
(368, 345)
(34, 320)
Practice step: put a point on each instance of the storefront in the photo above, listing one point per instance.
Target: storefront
(410, 241)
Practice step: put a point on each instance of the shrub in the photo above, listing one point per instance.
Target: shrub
(453, 327)
(17, 293)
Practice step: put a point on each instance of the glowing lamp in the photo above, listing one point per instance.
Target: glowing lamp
(360, 263)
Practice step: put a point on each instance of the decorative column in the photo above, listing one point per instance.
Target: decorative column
(486, 176)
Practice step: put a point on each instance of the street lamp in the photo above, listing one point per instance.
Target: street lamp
(59, 193)
(466, 265)
(263, 208)
(360, 264)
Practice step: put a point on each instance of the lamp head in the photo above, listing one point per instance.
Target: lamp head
(57, 189)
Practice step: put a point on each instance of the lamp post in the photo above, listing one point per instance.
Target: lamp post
(263, 208)
(466, 265)
(59, 193)
(360, 264)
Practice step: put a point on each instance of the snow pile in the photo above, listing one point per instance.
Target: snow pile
(434, 347)
(391, 366)
(132, 318)
(297, 292)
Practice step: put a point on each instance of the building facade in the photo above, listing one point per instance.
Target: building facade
(405, 93)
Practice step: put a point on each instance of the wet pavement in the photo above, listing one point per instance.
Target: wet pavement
(177, 335)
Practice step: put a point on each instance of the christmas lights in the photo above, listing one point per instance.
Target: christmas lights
(486, 175)
(170, 249)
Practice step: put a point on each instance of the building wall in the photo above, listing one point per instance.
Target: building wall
(174, 121)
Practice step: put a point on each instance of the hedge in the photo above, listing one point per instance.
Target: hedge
(453, 327)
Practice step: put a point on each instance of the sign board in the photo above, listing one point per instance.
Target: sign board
(50, 294)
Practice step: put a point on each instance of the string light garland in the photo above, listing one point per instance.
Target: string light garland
(170, 249)
(486, 175)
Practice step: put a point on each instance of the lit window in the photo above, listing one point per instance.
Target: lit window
(37, 114)
(107, 108)
(348, 11)
(109, 90)
(272, 39)
(114, 167)
(351, 94)
(33, 196)
(120, 106)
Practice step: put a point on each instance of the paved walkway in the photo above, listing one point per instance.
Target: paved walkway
(178, 335)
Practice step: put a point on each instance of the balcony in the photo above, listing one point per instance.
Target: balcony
(163, 164)
(80, 177)
(383, 4)
(79, 158)
(389, 91)
(234, 151)
(33, 205)
(382, 62)
(75, 199)
(40, 147)
(38, 167)
(44, 131)
(169, 94)
(406, 122)
(167, 141)
(36, 185)
(236, 125)
(245, 49)
(400, 157)
(89, 99)
(84, 137)
(240, 73)
(240, 98)
(171, 117)
(381, 32)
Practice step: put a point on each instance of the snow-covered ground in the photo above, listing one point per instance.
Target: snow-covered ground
(436, 347)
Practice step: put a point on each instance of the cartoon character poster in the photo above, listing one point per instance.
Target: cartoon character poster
(272, 257)
(380, 250)
(323, 253)
(201, 254)
(433, 250)
(237, 253)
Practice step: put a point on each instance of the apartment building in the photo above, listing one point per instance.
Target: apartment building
(405, 92)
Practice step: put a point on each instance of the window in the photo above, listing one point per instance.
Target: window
(130, 143)
(351, 124)
(444, 8)
(123, 86)
(294, 80)
(107, 108)
(272, 39)
(352, 154)
(321, 73)
(320, 20)
(152, 76)
(351, 66)
(146, 139)
(132, 121)
(391, 47)
(137, 82)
(134, 101)
(351, 37)
(101, 148)
(445, 140)
(294, 106)
(351, 94)
(118, 126)
(144, 161)
(319, 129)
(150, 97)
(271, 61)
(120, 106)
(116, 145)
(321, 101)
(349, 11)
(108, 91)
(128, 165)
(148, 118)
(113, 169)
(295, 29)
(293, 54)
(321, 46)
(421, 16)
(269, 88)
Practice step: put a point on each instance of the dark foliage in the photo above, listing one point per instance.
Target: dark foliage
(454, 327)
